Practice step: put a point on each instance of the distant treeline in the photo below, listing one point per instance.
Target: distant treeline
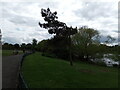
(58, 47)
(23, 46)
(7, 46)
(44, 45)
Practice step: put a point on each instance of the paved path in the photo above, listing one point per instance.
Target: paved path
(10, 67)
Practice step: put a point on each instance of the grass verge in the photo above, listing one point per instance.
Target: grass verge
(9, 52)
(45, 72)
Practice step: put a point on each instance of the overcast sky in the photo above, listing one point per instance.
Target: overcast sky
(19, 20)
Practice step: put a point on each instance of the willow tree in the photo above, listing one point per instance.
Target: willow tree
(60, 29)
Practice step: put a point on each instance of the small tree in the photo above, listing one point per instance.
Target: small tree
(42, 46)
(29, 46)
(16, 46)
(23, 46)
(56, 27)
(34, 43)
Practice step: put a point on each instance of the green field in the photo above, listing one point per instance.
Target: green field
(9, 52)
(45, 72)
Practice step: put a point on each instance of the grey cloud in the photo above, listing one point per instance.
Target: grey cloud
(19, 29)
(16, 7)
(119, 15)
(22, 20)
(104, 38)
(12, 40)
(116, 31)
(26, 40)
(75, 23)
(93, 10)
(39, 29)
(42, 34)
(48, 4)
(9, 13)
(17, 20)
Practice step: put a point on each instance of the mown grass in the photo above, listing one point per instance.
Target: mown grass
(45, 72)
(9, 52)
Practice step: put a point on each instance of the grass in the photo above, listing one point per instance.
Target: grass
(45, 72)
(9, 52)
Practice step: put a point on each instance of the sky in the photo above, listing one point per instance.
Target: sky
(19, 18)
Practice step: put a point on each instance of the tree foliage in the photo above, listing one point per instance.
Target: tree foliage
(59, 43)
(54, 26)
(85, 41)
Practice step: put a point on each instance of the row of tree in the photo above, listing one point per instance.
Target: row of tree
(23, 46)
(85, 44)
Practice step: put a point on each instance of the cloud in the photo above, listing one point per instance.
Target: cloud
(19, 20)
(104, 38)
(100, 14)
(22, 20)
(94, 10)
(10, 39)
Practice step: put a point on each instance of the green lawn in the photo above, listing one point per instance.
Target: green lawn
(9, 52)
(44, 72)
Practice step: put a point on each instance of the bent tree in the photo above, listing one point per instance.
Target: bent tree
(60, 29)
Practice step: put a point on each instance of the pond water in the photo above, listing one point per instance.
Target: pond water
(108, 59)
(110, 62)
